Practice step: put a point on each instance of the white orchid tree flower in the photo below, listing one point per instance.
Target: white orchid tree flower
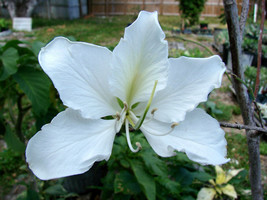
(137, 85)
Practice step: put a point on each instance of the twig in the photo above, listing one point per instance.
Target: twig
(257, 83)
(241, 81)
(241, 126)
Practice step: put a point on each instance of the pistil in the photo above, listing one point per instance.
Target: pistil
(142, 118)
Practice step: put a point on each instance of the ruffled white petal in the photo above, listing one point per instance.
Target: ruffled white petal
(80, 73)
(140, 59)
(189, 83)
(69, 145)
(199, 136)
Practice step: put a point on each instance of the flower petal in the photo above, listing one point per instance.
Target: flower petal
(69, 145)
(199, 136)
(140, 58)
(189, 83)
(80, 73)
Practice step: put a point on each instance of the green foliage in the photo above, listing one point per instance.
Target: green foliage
(250, 77)
(221, 111)
(250, 42)
(35, 84)
(27, 100)
(195, 53)
(3, 24)
(13, 141)
(10, 168)
(191, 10)
(263, 148)
(144, 175)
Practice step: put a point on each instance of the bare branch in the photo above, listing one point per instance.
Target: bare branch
(241, 126)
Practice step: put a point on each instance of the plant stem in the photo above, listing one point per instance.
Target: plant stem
(21, 112)
(231, 14)
(257, 83)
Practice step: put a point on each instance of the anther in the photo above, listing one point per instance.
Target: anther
(118, 116)
(153, 111)
(174, 124)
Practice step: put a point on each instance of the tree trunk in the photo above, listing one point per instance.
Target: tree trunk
(20, 8)
(231, 14)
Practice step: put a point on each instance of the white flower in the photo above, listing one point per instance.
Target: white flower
(158, 95)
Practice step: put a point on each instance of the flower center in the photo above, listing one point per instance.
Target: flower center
(128, 117)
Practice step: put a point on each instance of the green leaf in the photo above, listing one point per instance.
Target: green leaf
(28, 195)
(9, 59)
(36, 47)
(45, 118)
(124, 163)
(202, 176)
(145, 180)
(32, 195)
(57, 189)
(173, 187)
(36, 86)
(13, 141)
(126, 183)
(183, 176)
(153, 163)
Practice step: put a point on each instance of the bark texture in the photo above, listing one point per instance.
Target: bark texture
(253, 139)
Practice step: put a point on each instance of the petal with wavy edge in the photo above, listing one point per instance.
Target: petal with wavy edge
(199, 136)
(189, 83)
(140, 58)
(69, 145)
(80, 73)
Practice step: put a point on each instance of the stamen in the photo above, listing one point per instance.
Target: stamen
(120, 118)
(152, 117)
(130, 120)
(129, 139)
(153, 111)
(142, 118)
(174, 124)
(172, 128)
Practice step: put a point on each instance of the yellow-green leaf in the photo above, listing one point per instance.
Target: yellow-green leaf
(229, 190)
(221, 176)
(206, 194)
(231, 173)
